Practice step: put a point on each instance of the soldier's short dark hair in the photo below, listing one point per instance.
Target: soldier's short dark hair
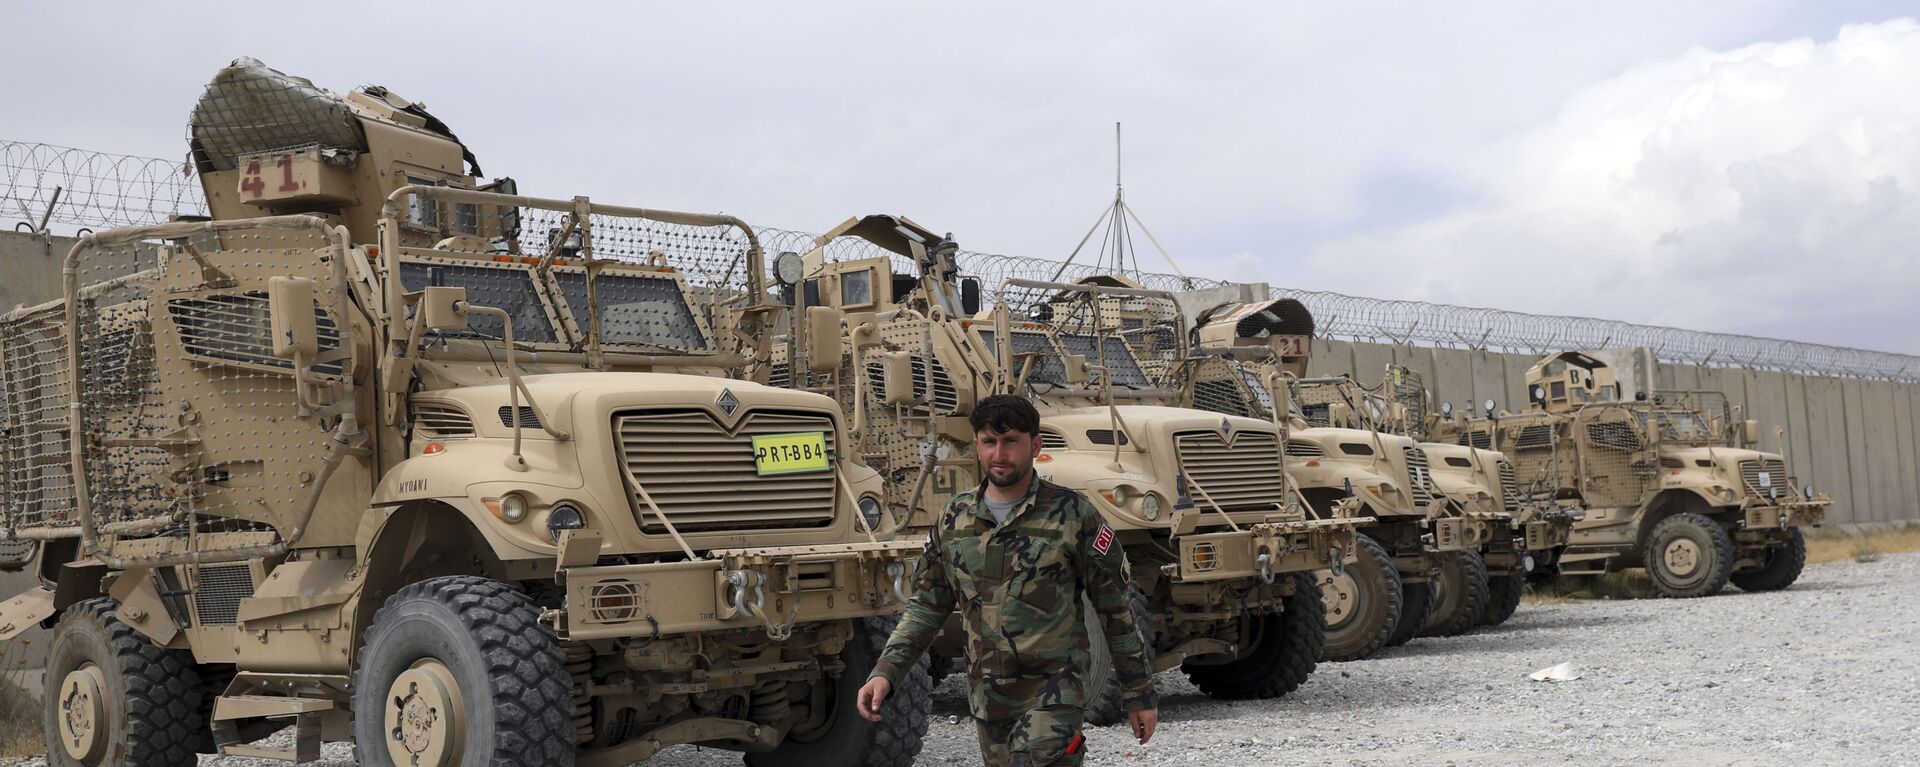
(1004, 413)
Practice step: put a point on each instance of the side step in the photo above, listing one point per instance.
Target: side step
(275, 696)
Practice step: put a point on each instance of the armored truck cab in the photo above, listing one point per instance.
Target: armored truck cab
(1219, 544)
(1669, 482)
(460, 476)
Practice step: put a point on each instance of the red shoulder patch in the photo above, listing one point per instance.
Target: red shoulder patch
(1103, 540)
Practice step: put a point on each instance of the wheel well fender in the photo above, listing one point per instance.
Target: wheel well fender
(420, 540)
(1667, 504)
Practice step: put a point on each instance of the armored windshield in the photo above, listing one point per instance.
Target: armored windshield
(1120, 362)
(1676, 425)
(644, 309)
(504, 287)
(1045, 367)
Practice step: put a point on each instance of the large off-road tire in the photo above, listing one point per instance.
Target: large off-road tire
(1689, 555)
(1286, 649)
(459, 670)
(1105, 704)
(1416, 602)
(848, 739)
(1503, 596)
(1460, 595)
(113, 698)
(1782, 568)
(1363, 603)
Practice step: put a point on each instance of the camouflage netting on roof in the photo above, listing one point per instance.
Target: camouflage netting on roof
(250, 107)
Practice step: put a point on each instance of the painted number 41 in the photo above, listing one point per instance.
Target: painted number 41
(254, 185)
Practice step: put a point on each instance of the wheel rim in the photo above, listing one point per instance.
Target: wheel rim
(83, 730)
(1343, 596)
(426, 721)
(1682, 557)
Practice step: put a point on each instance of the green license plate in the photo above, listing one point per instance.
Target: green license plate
(795, 453)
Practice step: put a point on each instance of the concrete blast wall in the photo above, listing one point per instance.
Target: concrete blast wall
(1858, 441)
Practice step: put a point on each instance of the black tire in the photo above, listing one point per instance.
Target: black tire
(1287, 649)
(1503, 596)
(848, 739)
(1105, 704)
(1460, 595)
(1357, 630)
(149, 697)
(1696, 541)
(508, 668)
(1782, 568)
(1416, 602)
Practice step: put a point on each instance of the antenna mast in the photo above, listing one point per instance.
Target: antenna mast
(1117, 236)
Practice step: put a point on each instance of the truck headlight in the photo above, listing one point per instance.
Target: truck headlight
(1150, 506)
(564, 517)
(511, 507)
(870, 512)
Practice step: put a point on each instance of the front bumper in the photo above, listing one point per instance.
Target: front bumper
(1470, 530)
(772, 588)
(1288, 546)
(1786, 514)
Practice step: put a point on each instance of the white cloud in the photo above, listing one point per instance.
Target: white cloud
(1768, 189)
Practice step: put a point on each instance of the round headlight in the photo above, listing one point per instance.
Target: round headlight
(564, 517)
(1150, 506)
(1807, 490)
(513, 507)
(1121, 495)
(870, 512)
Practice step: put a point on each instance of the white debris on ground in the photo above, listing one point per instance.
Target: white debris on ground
(1824, 673)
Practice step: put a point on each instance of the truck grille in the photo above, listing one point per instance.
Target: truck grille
(704, 479)
(1419, 475)
(1244, 476)
(1509, 487)
(1776, 472)
(440, 420)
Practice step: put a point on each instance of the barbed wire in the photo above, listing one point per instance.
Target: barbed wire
(96, 190)
(103, 190)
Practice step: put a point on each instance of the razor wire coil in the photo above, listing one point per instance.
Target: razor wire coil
(101, 190)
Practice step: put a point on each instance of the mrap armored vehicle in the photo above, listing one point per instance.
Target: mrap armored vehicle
(1220, 546)
(1668, 481)
(1337, 453)
(389, 454)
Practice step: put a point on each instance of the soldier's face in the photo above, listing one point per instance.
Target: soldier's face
(1007, 455)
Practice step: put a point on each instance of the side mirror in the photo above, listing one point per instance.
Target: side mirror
(970, 296)
(896, 378)
(444, 308)
(1751, 429)
(291, 319)
(1076, 365)
(825, 343)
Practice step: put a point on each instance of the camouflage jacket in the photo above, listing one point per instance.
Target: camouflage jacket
(1017, 587)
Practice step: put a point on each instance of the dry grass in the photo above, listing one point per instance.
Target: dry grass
(19, 706)
(1863, 547)
(1631, 584)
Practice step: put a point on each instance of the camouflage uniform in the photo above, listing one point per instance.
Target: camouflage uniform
(1018, 589)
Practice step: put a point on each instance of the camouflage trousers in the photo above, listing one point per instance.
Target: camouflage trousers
(1036, 738)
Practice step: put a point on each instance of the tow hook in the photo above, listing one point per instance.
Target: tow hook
(898, 571)
(743, 580)
(1265, 561)
(1339, 566)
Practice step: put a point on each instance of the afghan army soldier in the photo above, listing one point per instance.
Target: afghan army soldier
(1014, 556)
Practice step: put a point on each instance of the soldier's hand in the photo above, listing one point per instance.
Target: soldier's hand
(872, 694)
(1143, 723)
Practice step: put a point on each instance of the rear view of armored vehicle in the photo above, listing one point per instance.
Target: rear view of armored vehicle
(387, 454)
(1669, 481)
(1220, 547)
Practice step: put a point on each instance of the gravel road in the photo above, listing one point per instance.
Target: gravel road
(1825, 673)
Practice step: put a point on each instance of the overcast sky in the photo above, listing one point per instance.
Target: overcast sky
(1743, 167)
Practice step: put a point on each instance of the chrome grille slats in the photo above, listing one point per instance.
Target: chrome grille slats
(704, 478)
(1419, 474)
(1776, 476)
(1244, 476)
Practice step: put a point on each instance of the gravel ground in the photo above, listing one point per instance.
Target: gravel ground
(1825, 673)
